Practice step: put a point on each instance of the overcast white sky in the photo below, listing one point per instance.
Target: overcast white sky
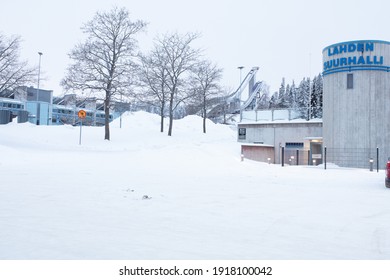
(283, 38)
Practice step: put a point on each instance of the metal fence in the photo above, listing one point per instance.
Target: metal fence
(343, 157)
(298, 157)
(352, 157)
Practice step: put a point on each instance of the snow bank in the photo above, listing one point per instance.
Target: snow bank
(144, 195)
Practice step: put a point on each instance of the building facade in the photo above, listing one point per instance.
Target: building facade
(39, 107)
(356, 109)
(297, 142)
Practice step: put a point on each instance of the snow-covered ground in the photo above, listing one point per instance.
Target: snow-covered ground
(144, 195)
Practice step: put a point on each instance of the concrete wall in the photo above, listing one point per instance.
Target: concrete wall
(276, 134)
(357, 120)
(258, 152)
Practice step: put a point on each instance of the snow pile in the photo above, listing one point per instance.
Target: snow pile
(144, 195)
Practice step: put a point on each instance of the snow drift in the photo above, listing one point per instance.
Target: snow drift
(144, 195)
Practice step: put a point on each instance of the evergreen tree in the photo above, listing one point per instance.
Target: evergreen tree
(306, 98)
(273, 102)
(303, 97)
(293, 96)
(281, 101)
(316, 98)
(286, 101)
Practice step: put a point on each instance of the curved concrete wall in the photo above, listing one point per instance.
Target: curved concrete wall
(357, 120)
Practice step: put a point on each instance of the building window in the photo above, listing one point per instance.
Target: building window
(242, 133)
(294, 145)
(349, 81)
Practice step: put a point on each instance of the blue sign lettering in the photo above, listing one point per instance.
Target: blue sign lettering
(351, 60)
(361, 60)
(351, 47)
(370, 47)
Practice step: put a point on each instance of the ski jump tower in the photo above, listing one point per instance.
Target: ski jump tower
(238, 101)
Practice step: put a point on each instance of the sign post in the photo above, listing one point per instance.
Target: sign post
(82, 115)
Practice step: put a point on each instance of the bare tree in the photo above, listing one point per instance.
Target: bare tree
(154, 78)
(103, 64)
(179, 58)
(13, 72)
(206, 76)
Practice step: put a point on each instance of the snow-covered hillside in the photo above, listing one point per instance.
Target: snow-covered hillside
(144, 195)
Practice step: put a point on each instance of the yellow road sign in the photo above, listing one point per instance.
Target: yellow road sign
(82, 114)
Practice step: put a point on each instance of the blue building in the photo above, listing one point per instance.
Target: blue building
(39, 107)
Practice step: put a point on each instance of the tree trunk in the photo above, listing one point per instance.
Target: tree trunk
(162, 117)
(107, 119)
(204, 124)
(162, 123)
(170, 117)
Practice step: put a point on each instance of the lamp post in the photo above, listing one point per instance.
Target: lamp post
(240, 67)
(39, 78)
(239, 88)
(39, 72)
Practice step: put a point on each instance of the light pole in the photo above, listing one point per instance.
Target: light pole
(309, 103)
(240, 67)
(39, 77)
(239, 88)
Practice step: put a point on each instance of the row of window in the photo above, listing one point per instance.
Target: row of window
(11, 105)
(63, 111)
(72, 113)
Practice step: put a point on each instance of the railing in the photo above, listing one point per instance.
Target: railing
(304, 113)
(352, 157)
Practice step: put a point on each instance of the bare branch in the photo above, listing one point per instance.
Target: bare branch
(103, 65)
(13, 72)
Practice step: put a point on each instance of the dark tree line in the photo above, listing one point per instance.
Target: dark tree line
(305, 98)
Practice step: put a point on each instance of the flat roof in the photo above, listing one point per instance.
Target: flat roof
(297, 121)
(257, 145)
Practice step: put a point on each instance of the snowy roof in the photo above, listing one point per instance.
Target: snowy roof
(257, 145)
(296, 121)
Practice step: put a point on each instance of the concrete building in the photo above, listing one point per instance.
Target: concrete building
(301, 141)
(356, 109)
(355, 126)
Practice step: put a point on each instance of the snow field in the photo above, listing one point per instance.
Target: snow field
(144, 195)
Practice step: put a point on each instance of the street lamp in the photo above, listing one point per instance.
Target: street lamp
(39, 72)
(240, 67)
(39, 77)
(239, 89)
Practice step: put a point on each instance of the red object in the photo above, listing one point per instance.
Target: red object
(388, 169)
(387, 180)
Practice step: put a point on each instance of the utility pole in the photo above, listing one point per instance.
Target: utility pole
(39, 78)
